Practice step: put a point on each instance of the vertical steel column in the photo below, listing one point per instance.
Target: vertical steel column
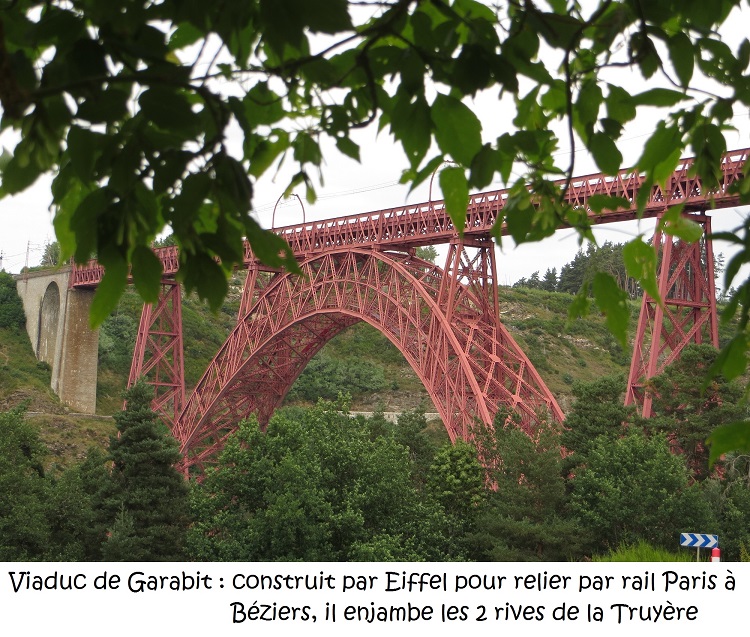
(158, 353)
(686, 314)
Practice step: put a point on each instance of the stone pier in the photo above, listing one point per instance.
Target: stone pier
(57, 321)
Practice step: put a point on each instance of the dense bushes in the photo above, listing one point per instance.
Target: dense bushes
(11, 308)
(326, 377)
(320, 485)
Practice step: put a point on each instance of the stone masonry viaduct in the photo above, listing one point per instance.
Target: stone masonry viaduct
(57, 321)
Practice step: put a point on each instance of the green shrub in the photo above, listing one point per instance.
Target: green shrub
(12, 315)
(644, 552)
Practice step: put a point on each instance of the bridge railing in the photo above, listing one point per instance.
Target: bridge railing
(429, 224)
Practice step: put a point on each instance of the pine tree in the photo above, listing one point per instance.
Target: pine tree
(144, 504)
(549, 283)
(526, 516)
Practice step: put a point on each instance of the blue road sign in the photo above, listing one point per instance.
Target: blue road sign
(699, 540)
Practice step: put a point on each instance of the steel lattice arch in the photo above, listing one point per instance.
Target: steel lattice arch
(444, 323)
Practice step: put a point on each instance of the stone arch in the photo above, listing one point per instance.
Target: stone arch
(49, 321)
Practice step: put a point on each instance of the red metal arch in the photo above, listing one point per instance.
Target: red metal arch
(443, 321)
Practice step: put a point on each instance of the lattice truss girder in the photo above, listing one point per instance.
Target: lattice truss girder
(686, 315)
(158, 354)
(444, 323)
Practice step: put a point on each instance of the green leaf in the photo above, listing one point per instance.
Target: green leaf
(735, 362)
(306, 149)
(270, 248)
(262, 105)
(743, 54)
(729, 438)
(184, 35)
(411, 124)
(472, 70)
(147, 271)
(675, 224)
(168, 109)
(74, 193)
(640, 263)
(556, 98)
(234, 188)
(204, 275)
(284, 21)
(645, 53)
(709, 145)
(185, 206)
(169, 168)
(84, 222)
(483, 167)
(579, 307)
(612, 301)
(18, 175)
(620, 106)
(733, 267)
(326, 16)
(732, 359)
(682, 54)
(589, 100)
(263, 150)
(661, 153)
(110, 288)
(84, 146)
(87, 59)
(597, 203)
(105, 106)
(458, 132)
(456, 194)
(659, 97)
(560, 31)
(348, 147)
(606, 154)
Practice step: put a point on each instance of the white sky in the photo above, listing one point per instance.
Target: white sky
(25, 219)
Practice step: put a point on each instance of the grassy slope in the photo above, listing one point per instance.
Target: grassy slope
(26, 381)
(563, 352)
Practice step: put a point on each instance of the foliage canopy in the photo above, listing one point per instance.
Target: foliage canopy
(317, 485)
(131, 106)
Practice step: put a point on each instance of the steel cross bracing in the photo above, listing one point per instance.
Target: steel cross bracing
(445, 322)
(464, 356)
(686, 315)
(158, 354)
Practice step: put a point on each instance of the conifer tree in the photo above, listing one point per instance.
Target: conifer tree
(144, 504)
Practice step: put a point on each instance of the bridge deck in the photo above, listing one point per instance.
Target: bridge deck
(429, 224)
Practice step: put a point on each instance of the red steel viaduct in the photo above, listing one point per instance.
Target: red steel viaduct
(445, 321)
